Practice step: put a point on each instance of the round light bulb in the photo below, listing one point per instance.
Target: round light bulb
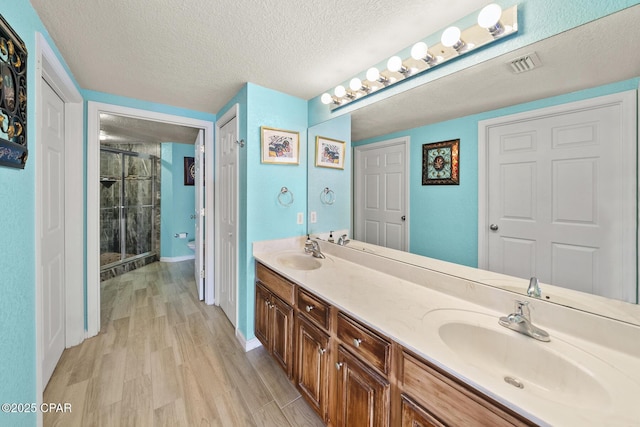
(394, 64)
(489, 16)
(419, 50)
(355, 84)
(340, 91)
(451, 36)
(326, 99)
(373, 74)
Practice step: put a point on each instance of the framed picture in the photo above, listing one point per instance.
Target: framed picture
(441, 163)
(329, 153)
(13, 98)
(189, 171)
(279, 146)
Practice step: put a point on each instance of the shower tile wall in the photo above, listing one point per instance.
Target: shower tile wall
(143, 233)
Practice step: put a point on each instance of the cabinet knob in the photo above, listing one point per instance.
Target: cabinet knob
(322, 350)
(356, 342)
(338, 365)
(309, 308)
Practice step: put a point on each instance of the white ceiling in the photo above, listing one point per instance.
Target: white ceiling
(198, 56)
(116, 129)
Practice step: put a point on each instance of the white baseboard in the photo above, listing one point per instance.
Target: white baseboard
(177, 258)
(247, 345)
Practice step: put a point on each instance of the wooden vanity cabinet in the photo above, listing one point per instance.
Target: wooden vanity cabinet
(274, 316)
(362, 396)
(435, 399)
(353, 376)
(312, 365)
(413, 415)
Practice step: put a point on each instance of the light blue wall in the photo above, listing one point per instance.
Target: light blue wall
(261, 217)
(444, 219)
(17, 242)
(177, 201)
(107, 98)
(266, 219)
(338, 215)
(537, 20)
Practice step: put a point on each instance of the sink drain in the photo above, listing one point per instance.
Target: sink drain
(513, 381)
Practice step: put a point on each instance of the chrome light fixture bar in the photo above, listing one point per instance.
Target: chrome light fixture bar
(493, 24)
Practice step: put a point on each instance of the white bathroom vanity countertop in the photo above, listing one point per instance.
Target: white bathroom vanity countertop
(407, 302)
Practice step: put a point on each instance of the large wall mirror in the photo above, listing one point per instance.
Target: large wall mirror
(586, 58)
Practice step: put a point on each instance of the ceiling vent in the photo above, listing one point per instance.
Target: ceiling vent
(525, 63)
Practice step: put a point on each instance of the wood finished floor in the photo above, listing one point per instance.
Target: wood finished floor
(163, 358)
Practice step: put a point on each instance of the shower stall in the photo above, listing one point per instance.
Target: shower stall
(128, 225)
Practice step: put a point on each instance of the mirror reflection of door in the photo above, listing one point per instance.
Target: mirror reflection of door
(380, 193)
(558, 197)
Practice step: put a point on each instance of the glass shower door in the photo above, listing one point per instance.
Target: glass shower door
(127, 206)
(110, 207)
(138, 205)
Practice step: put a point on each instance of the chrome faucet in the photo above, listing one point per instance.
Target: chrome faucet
(312, 247)
(534, 288)
(520, 321)
(342, 240)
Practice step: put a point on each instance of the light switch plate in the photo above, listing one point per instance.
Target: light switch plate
(300, 218)
(314, 217)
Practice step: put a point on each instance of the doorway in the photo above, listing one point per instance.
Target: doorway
(558, 195)
(95, 110)
(50, 74)
(381, 193)
(227, 213)
(52, 236)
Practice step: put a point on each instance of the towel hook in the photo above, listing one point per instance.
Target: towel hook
(282, 199)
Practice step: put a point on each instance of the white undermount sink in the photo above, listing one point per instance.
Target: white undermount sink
(555, 373)
(298, 261)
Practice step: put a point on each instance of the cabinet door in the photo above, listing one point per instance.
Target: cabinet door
(363, 395)
(282, 334)
(263, 308)
(312, 374)
(415, 416)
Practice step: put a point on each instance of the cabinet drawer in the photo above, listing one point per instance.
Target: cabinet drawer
(451, 401)
(364, 342)
(313, 308)
(277, 284)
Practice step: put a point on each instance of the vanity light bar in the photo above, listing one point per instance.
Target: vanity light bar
(493, 24)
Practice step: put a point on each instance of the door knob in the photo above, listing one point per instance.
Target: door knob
(403, 217)
(493, 227)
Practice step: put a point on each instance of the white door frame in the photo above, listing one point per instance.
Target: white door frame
(49, 67)
(357, 151)
(627, 100)
(225, 118)
(93, 197)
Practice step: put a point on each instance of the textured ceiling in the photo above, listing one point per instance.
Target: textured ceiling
(116, 129)
(197, 54)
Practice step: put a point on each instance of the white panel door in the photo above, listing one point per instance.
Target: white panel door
(555, 200)
(199, 214)
(228, 221)
(52, 238)
(380, 186)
